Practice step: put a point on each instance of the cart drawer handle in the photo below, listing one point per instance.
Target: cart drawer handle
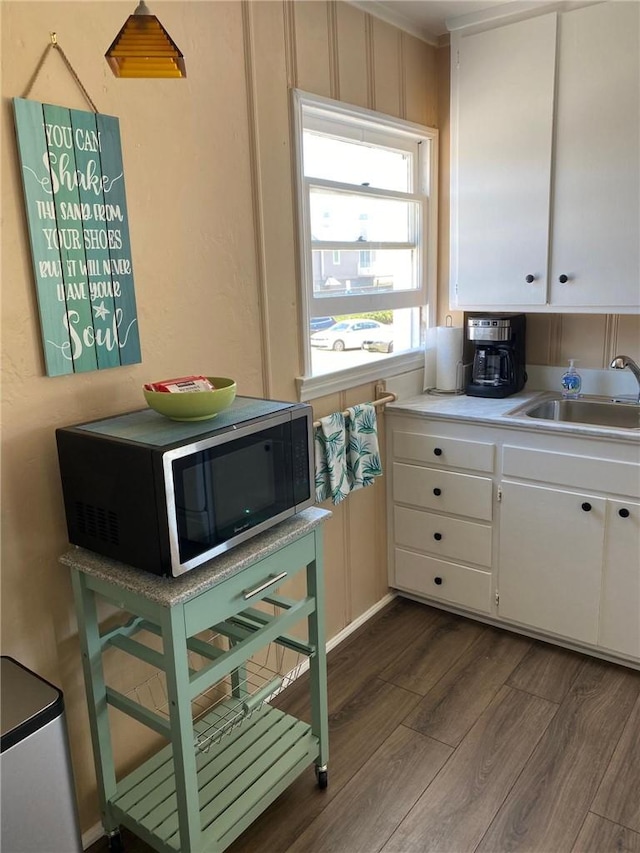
(249, 593)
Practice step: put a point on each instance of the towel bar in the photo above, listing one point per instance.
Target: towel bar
(388, 398)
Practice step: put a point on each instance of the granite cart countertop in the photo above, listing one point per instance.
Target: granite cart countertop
(483, 410)
(169, 592)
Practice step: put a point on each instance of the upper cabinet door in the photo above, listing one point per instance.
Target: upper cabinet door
(503, 103)
(596, 211)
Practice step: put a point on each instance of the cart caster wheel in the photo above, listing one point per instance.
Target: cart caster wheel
(322, 775)
(114, 840)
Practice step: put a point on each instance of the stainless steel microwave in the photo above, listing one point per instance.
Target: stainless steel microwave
(166, 496)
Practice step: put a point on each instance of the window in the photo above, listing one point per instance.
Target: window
(367, 223)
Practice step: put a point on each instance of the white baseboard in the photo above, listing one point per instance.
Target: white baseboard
(92, 835)
(96, 832)
(342, 635)
(364, 617)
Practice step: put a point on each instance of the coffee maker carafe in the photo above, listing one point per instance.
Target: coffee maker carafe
(495, 350)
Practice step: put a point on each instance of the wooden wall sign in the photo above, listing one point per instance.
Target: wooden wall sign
(71, 164)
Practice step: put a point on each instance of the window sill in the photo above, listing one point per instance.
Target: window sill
(312, 387)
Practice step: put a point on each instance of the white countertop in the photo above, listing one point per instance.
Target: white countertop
(483, 410)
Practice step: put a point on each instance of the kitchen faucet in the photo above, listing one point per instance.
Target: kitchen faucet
(622, 361)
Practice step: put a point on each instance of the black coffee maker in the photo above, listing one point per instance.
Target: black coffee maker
(494, 354)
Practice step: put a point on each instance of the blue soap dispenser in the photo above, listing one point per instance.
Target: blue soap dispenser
(571, 382)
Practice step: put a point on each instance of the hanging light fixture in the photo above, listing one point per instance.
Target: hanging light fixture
(143, 48)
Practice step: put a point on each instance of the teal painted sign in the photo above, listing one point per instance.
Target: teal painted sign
(73, 179)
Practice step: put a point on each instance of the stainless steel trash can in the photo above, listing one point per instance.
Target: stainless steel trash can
(37, 797)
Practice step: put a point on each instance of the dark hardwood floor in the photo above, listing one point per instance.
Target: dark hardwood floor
(447, 735)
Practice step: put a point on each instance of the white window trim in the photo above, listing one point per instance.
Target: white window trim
(310, 387)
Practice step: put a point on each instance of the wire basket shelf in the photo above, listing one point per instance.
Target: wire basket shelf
(234, 698)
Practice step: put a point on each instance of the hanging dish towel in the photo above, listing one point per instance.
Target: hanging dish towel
(347, 453)
(331, 459)
(363, 453)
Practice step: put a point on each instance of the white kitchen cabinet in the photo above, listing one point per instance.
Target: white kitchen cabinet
(620, 603)
(502, 85)
(596, 210)
(546, 163)
(534, 530)
(550, 559)
(442, 513)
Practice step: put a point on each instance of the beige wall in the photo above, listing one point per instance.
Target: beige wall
(210, 197)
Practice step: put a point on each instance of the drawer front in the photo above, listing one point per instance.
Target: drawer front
(442, 580)
(445, 491)
(447, 538)
(247, 587)
(439, 450)
(565, 469)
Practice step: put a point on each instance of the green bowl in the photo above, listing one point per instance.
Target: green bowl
(193, 405)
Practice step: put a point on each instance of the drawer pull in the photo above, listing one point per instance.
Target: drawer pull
(249, 593)
(586, 506)
(437, 581)
(437, 492)
(437, 451)
(623, 513)
(437, 536)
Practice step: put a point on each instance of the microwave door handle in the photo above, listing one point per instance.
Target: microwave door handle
(249, 593)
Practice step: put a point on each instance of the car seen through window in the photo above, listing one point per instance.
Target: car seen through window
(354, 334)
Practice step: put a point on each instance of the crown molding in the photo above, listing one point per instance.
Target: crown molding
(384, 13)
(512, 10)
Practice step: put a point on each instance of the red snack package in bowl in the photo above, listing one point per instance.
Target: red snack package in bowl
(181, 385)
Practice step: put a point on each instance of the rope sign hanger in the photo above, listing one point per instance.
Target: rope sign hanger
(54, 44)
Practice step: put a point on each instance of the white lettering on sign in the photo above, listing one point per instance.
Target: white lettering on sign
(71, 291)
(62, 175)
(74, 210)
(50, 269)
(58, 135)
(104, 289)
(46, 209)
(62, 238)
(79, 338)
(119, 266)
(107, 212)
(87, 140)
(61, 136)
(95, 238)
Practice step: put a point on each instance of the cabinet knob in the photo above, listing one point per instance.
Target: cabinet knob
(437, 581)
(623, 513)
(563, 279)
(530, 278)
(438, 492)
(586, 506)
(437, 451)
(437, 536)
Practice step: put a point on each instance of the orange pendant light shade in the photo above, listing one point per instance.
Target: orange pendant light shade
(143, 48)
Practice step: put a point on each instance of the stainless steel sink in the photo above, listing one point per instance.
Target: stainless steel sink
(596, 411)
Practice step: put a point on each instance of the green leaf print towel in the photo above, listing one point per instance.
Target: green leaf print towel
(331, 460)
(363, 453)
(347, 453)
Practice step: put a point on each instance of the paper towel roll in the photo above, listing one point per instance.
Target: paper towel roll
(448, 356)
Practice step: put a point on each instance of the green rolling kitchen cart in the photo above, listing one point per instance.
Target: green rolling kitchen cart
(222, 767)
